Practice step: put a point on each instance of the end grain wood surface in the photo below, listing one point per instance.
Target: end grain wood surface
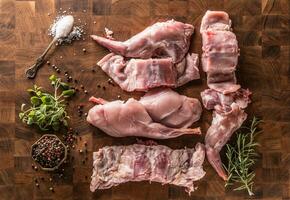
(262, 29)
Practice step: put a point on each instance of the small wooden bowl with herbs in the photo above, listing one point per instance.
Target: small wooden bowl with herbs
(49, 152)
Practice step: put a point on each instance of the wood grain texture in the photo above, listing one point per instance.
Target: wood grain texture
(262, 28)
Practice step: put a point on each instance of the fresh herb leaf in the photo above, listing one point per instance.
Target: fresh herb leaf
(35, 101)
(21, 115)
(64, 86)
(45, 99)
(241, 157)
(52, 78)
(68, 93)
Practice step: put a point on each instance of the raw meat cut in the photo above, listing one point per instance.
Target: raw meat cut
(219, 62)
(139, 74)
(162, 39)
(114, 165)
(223, 82)
(130, 118)
(171, 109)
(219, 42)
(144, 74)
(225, 96)
(220, 52)
(223, 125)
(187, 69)
(212, 99)
(228, 116)
(215, 20)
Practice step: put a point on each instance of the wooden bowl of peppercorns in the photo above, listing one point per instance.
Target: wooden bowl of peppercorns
(49, 152)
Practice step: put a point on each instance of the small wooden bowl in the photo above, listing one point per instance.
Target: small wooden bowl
(65, 152)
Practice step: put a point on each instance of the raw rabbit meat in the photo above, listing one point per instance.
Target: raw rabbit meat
(139, 118)
(144, 74)
(220, 52)
(114, 165)
(225, 96)
(223, 125)
(171, 109)
(162, 39)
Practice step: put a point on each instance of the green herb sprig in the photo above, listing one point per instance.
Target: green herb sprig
(47, 110)
(241, 157)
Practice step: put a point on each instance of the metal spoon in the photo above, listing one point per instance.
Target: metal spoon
(31, 71)
(62, 28)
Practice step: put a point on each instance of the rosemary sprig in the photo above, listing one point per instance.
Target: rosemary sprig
(241, 157)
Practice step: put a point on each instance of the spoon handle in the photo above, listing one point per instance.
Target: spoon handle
(31, 71)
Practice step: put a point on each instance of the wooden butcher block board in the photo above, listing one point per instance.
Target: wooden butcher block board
(262, 29)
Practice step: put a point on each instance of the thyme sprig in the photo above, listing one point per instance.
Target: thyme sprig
(241, 157)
